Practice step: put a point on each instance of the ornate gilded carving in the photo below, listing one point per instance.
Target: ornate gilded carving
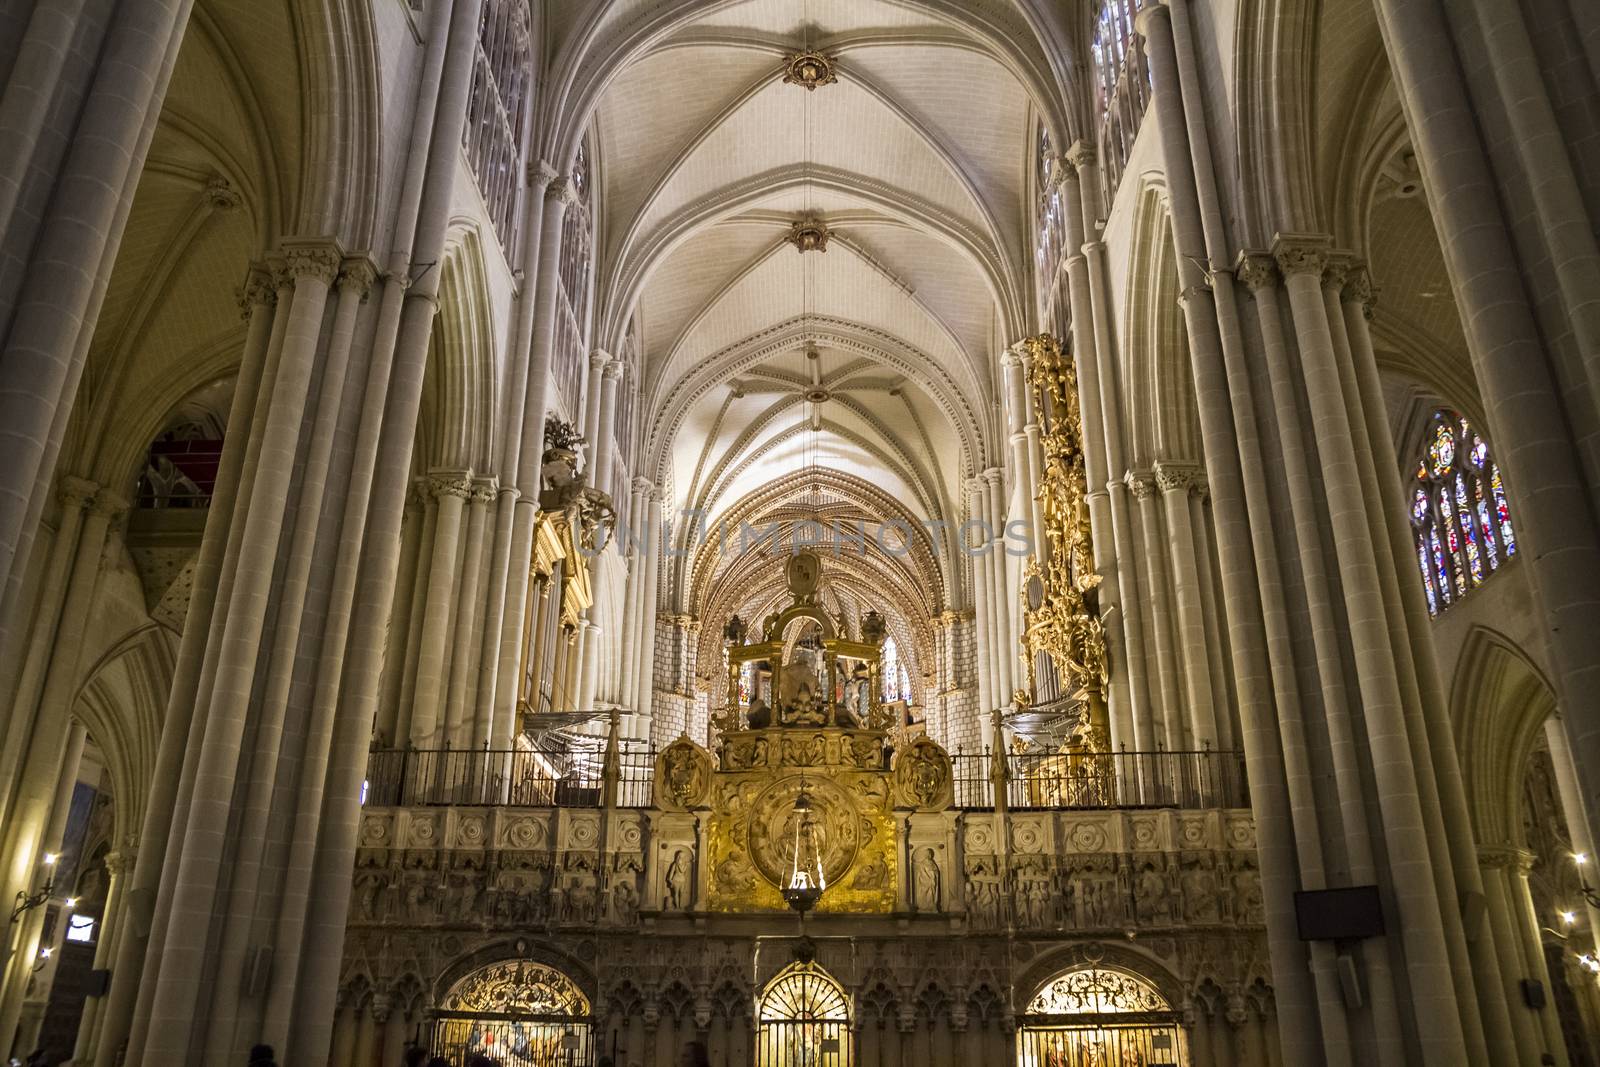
(809, 68)
(809, 235)
(1060, 620)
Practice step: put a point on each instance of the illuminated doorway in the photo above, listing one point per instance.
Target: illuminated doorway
(521, 1013)
(804, 1021)
(1097, 1017)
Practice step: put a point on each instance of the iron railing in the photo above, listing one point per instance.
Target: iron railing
(518, 778)
(526, 778)
(1201, 779)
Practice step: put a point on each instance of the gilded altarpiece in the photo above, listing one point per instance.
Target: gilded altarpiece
(846, 774)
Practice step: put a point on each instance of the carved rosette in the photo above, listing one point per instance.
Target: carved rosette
(809, 69)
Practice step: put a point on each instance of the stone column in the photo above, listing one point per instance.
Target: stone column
(1004, 601)
(118, 862)
(30, 831)
(1310, 1006)
(1523, 391)
(589, 664)
(451, 489)
(644, 676)
(599, 360)
(51, 319)
(1555, 734)
(1097, 386)
(177, 973)
(982, 588)
(1504, 922)
(418, 608)
(397, 658)
(307, 960)
(74, 496)
(1142, 485)
(460, 724)
(1176, 481)
(605, 442)
(212, 581)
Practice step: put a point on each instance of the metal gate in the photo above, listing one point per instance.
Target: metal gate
(1084, 1043)
(803, 1043)
(514, 1041)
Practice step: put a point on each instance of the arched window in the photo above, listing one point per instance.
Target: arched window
(518, 1012)
(1460, 520)
(1122, 86)
(1100, 1016)
(804, 1021)
(498, 109)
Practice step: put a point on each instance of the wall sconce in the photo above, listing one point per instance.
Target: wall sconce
(26, 901)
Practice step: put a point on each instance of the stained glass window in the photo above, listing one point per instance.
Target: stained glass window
(1460, 520)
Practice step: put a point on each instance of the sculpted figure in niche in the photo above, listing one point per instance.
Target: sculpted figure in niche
(677, 896)
(1153, 900)
(925, 881)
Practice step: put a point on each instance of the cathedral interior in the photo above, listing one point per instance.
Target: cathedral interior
(800, 533)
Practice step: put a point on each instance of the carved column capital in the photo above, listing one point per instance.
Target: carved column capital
(1301, 253)
(614, 370)
(1142, 484)
(1358, 288)
(1257, 270)
(319, 259)
(257, 289)
(485, 490)
(598, 359)
(1505, 858)
(449, 483)
(1180, 477)
(1337, 271)
(560, 189)
(109, 504)
(75, 492)
(358, 275)
(1080, 154)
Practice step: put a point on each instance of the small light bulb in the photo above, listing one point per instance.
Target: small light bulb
(49, 859)
(44, 953)
(1569, 917)
(1580, 858)
(72, 902)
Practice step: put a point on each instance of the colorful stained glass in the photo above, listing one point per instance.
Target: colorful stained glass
(1427, 577)
(1440, 571)
(1462, 519)
(1419, 507)
(1489, 547)
(1442, 454)
(1502, 510)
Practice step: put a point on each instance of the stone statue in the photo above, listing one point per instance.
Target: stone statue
(677, 897)
(925, 882)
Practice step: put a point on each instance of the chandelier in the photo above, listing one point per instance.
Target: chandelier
(806, 881)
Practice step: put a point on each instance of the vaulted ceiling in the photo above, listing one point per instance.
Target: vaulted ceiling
(874, 362)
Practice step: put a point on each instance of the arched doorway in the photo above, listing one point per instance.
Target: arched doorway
(804, 1021)
(521, 1013)
(1098, 1017)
